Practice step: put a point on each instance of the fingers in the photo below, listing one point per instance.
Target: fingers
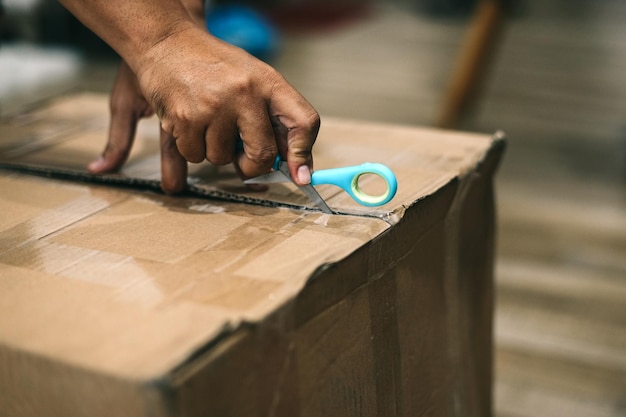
(260, 146)
(218, 143)
(218, 92)
(173, 165)
(251, 187)
(296, 125)
(127, 106)
(121, 136)
(220, 138)
(189, 139)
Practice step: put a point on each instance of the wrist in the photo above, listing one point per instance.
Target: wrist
(164, 43)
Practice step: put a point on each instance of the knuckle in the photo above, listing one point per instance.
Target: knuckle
(188, 152)
(219, 158)
(264, 155)
(159, 104)
(300, 153)
(167, 125)
(312, 121)
(273, 77)
(184, 114)
(193, 157)
(242, 86)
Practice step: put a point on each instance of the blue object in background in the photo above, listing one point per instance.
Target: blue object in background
(243, 27)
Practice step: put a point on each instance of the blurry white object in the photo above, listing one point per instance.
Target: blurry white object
(20, 5)
(27, 69)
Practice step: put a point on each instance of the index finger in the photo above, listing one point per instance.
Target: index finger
(296, 125)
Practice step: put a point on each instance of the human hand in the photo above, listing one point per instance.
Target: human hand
(207, 94)
(127, 106)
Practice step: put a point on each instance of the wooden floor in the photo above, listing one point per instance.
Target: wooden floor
(557, 87)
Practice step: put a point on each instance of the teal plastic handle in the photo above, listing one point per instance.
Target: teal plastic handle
(348, 179)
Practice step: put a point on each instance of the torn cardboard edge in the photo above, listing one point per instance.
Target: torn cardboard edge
(73, 126)
(140, 184)
(191, 190)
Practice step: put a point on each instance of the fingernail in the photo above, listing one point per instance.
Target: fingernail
(304, 174)
(97, 165)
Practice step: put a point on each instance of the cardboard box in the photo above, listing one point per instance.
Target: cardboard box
(118, 300)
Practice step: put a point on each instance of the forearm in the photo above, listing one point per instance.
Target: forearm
(133, 27)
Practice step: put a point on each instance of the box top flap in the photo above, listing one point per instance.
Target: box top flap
(64, 137)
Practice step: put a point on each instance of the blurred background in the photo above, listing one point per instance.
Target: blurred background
(549, 73)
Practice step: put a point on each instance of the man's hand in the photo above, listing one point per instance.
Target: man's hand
(240, 102)
(207, 94)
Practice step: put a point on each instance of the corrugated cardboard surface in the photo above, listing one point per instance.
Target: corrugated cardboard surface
(124, 301)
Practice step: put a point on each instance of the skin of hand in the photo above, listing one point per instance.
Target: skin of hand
(207, 94)
(127, 106)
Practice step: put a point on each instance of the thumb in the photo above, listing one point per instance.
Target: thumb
(121, 136)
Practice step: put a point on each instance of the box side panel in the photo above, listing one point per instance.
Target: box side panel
(324, 367)
(33, 386)
(221, 382)
(469, 287)
(336, 360)
(408, 312)
(424, 368)
(378, 349)
(249, 373)
(430, 307)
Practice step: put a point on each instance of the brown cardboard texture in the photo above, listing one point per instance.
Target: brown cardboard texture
(125, 301)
